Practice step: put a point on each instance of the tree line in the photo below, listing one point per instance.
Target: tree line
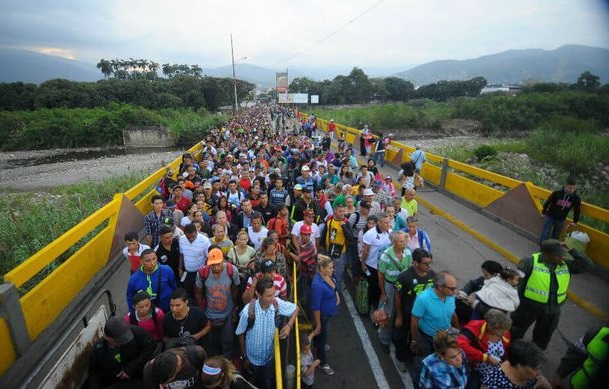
(132, 82)
(142, 68)
(358, 88)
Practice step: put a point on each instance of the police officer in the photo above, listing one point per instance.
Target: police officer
(585, 363)
(543, 289)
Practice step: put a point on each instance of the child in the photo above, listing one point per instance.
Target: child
(341, 142)
(389, 188)
(307, 364)
(146, 315)
(498, 292)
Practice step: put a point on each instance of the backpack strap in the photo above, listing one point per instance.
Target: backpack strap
(132, 318)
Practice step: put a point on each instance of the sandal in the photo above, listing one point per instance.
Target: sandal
(327, 369)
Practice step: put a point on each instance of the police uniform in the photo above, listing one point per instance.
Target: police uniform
(543, 290)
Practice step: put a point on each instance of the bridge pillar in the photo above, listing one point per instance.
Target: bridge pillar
(10, 310)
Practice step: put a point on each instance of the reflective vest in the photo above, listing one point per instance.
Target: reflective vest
(598, 351)
(538, 284)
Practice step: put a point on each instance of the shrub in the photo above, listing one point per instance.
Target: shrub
(485, 152)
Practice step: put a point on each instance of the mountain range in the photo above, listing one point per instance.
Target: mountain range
(564, 64)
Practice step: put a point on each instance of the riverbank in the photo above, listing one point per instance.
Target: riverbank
(43, 170)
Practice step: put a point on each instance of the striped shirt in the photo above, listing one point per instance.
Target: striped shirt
(281, 289)
(391, 266)
(153, 224)
(259, 339)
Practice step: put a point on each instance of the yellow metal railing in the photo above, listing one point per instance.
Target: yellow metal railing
(44, 302)
(457, 181)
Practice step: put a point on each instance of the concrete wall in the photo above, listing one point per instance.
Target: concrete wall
(147, 136)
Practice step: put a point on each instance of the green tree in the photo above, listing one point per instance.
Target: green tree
(105, 67)
(588, 81)
(398, 89)
(359, 88)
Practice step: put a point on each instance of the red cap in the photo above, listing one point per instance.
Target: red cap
(306, 229)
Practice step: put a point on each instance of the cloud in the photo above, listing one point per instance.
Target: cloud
(299, 33)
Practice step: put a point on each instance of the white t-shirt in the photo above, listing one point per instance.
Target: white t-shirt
(378, 242)
(316, 231)
(195, 253)
(257, 237)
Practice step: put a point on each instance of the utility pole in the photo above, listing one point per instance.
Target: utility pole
(232, 52)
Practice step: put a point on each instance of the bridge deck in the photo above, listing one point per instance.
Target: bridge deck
(355, 352)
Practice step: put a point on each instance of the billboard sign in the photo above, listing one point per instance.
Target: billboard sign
(282, 82)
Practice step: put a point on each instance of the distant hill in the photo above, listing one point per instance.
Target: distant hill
(29, 66)
(564, 64)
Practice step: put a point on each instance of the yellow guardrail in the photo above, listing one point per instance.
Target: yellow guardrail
(278, 370)
(42, 304)
(297, 325)
(463, 180)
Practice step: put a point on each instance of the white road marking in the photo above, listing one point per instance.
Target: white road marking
(375, 364)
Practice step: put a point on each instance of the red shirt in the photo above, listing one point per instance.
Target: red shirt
(183, 204)
(331, 127)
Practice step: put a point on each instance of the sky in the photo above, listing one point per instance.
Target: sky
(298, 33)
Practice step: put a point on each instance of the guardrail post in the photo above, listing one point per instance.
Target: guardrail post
(444, 173)
(10, 310)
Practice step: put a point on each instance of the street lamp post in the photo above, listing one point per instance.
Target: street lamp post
(232, 52)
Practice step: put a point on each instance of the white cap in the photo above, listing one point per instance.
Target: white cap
(368, 192)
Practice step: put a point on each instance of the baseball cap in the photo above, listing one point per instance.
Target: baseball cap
(306, 189)
(189, 185)
(207, 185)
(268, 266)
(552, 246)
(214, 257)
(118, 330)
(388, 178)
(377, 183)
(170, 204)
(368, 192)
(305, 168)
(297, 187)
(365, 204)
(306, 229)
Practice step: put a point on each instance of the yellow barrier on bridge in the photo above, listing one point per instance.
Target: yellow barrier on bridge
(463, 180)
(44, 302)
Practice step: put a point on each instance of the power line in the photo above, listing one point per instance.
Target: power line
(339, 29)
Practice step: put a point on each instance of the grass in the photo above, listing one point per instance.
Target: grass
(30, 221)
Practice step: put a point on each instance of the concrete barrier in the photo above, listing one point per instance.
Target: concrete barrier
(148, 136)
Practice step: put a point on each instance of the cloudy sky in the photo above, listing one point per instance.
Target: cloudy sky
(298, 33)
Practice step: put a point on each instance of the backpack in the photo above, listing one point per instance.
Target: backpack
(133, 318)
(204, 274)
(251, 313)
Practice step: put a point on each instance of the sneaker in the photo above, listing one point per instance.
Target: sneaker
(327, 347)
(327, 369)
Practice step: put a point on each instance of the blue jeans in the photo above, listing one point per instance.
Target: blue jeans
(339, 270)
(320, 340)
(379, 157)
(263, 374)
(551, 228)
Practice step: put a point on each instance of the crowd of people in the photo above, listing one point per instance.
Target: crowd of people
(211, 279)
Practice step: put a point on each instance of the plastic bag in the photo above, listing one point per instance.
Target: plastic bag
(578, 240)
(361, 296)
(380, 316)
